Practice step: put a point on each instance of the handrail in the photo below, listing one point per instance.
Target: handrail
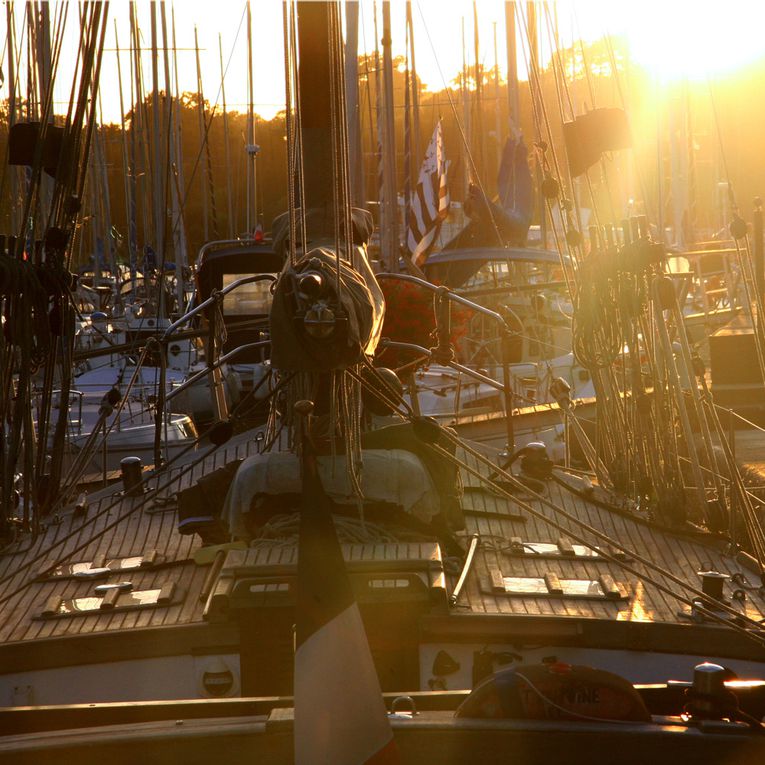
(385, 343)
(212, 299)
(733, 413)
(215, 365)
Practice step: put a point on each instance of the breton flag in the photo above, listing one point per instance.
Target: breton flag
(430, 202)
(340, 716)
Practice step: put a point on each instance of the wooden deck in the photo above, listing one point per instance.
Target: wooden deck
(44, 600)
(115, 527)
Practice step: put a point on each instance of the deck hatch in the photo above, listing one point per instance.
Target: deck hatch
(563, 548)
(551, 585)
(100, 567)
(113, 600)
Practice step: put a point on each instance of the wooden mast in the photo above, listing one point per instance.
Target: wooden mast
(315, 109)
(352, 100)
(390, 236)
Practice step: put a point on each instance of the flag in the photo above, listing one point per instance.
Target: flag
(514, 188)
(340, 716)
(258, 234)
(430, 202)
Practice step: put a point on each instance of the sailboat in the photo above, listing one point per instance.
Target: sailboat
(513, 608)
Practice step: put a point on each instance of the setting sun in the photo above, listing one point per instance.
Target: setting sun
(674, 40)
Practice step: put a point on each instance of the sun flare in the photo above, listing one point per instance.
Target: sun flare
(676, 40)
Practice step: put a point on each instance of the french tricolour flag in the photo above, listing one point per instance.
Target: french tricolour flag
(340, 716)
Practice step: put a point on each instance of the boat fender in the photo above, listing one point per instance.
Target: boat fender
(535, 461)
(574, 238)
(427, 429)
(220, 432)
(550, 187)
(555, 691)
(200, 505)
(738, 228)
(382, 381)
(665, 293)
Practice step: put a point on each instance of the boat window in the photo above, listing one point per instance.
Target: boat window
(388, 584)
(270, 587)
(490, 274)
(495, 273)
(491, 402)
(186, 429)
(79, 605)
(249, 299)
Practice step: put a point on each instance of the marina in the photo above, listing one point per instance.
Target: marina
(398, 437)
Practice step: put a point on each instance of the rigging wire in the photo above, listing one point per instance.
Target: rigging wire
(208, 126)
(150, 493)
(736, 619)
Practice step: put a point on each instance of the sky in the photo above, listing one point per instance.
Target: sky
(672, 38)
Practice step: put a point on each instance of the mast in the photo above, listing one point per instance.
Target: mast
(12, 171)
(536, 95)
(414, 85)
(352, 100)
(465, 117)
(201, 123)
(315, 109)
(379, 191)
(478, 132)
(105, 201)
(226, 144)
(678, 162)
(93, 196)
(323, 591)
(497, 110)
(128, 169)
(138, 129)
(41, 28)
(158, 178)
(390, 236)
(513, 98)
(176, 180)
(251, 216)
